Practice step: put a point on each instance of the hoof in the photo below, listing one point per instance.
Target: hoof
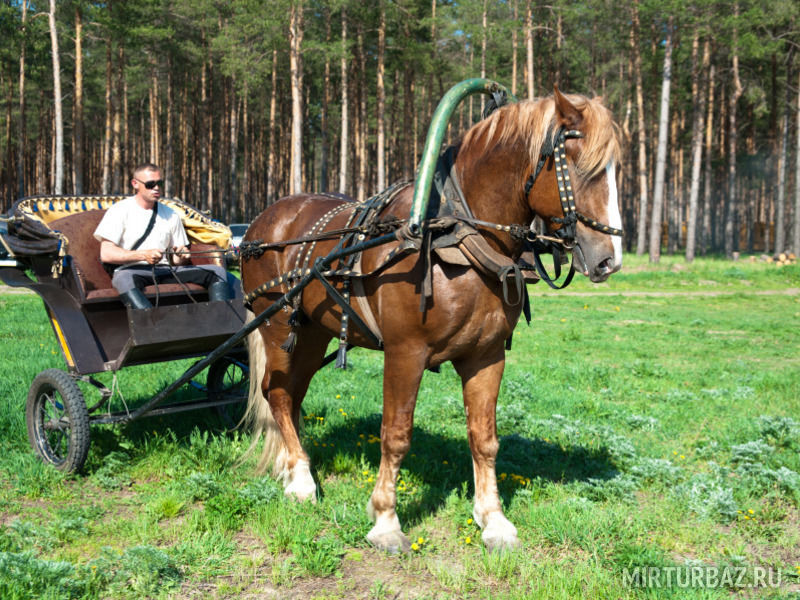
(392, 542)
(302, 489)
(499, 534)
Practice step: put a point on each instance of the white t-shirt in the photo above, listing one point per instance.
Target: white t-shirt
(126, 221)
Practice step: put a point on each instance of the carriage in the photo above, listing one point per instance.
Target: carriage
(428, 271)
(51, 251)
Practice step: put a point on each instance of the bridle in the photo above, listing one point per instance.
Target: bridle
(565, 237)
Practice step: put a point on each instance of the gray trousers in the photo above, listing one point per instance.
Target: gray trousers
(126, 278)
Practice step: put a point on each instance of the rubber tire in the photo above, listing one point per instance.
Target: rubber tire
(224, 375)
(55, 395)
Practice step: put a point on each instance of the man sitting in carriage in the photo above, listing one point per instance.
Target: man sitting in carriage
(144, 243)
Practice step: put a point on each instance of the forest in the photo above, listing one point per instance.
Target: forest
(244, 101)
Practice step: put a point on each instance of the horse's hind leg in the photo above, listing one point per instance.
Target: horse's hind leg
(284, 385)
(480, 376)
(401, 379)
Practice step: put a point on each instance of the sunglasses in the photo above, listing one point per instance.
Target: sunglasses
(151, 184)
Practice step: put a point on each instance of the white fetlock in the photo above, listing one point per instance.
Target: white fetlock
(499, 533)
(386, 535)
(301, 484)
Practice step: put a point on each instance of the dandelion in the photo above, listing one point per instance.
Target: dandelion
(420, 540)
(616, 308)
(414, 546)
(338, 396)
(352, 397)
(682, 456)
(563, 320)
(751, 511)
(365, 473)
(444, 462)
(468, 540)
(469, 521)
(370, 479)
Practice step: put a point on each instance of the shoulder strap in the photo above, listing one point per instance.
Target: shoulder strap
(147, 231)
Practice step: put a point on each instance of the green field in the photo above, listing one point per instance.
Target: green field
(650, 427)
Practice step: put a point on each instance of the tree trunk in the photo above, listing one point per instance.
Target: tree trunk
(408, 120)
(273, 102)
(641, 131)
(106, 185)
(205, 132)
(58, 117)
(117, 139)
(381, 92)
(484, 35)
(699, 92)
(780, 203)
(361, 146)
(344, 136)
(77, 108)
(296, 70)
(169, 169)
(796, 229)
(731, 205)
(514, 36)
(705, 233)
(155, 125)
(661, 153)
(21, 191)
(529, 48)
(326, 100)
(233, 140)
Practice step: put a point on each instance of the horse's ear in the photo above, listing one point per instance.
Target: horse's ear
(568, 114)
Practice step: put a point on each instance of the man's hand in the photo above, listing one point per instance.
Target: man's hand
(177, 257)
(151, 256)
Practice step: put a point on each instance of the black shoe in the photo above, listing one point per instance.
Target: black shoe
(135, 299)
(219, 290)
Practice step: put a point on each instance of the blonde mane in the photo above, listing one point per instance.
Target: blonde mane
(531, 122)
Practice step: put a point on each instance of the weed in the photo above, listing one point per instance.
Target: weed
(781, 431)
(750, 452)
(707, 496)
(260, 491)
(113, 474)
(23, 576)
(226, 510)
(318, 557)
(201, 486)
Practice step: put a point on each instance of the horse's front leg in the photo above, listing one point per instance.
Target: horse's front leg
(401, 379)
(481, 376)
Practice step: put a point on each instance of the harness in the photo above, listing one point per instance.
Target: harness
(450, 231)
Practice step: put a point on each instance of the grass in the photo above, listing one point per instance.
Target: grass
(641, 426)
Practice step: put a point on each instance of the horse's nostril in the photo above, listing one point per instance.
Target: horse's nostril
(605, 266)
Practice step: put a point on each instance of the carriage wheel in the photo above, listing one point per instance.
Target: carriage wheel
(227, 377)
(57, 419)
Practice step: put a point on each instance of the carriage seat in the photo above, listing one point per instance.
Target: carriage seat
(93, 283)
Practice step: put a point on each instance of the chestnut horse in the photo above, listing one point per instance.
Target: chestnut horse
(466, 321)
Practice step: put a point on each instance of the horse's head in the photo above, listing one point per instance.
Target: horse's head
(574, 186)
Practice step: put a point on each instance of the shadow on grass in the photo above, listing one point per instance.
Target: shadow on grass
(444, 464)
(440, 463)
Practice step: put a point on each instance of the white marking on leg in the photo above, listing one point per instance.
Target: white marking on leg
(498, 531)
(301, 483)
(614, 218)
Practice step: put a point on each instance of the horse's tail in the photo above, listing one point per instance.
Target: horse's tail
(258, 414)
